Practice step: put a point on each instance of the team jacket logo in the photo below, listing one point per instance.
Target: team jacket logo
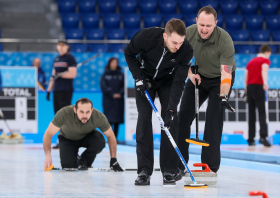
(173, 60)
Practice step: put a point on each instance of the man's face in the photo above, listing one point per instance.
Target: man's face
(37, 63)
(173, 41)
(62, 48)
(83, 112)
(205, 24)
(267, 54)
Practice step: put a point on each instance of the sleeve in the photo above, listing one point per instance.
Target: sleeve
(248, 65)
(227, 52)
(59, 118)
(135, 46)
(102, 122)
(121, 91)
(267, 61)
(104, 87)
(179, 80)
(72, 61)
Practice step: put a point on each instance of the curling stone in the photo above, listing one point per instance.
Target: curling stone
(206, 176)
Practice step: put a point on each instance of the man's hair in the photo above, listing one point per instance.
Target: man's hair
(265, 48)
(208, 10)
(175, 25)
(83, 101)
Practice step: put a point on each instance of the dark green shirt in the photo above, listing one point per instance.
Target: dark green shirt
(211, 54)
(72, 128)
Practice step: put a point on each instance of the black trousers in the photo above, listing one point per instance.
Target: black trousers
(256, 99)
(209, 88)
(115, 127)
(61, 99)
(144, 132)
(94, 142)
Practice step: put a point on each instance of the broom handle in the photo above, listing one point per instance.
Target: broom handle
(196, 102)
(169, 135)
(196, 108)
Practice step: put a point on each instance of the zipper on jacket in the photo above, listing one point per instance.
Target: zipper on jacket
(160, 60)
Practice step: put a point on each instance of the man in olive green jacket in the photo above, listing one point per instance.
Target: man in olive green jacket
(77, 125)
(214, 56)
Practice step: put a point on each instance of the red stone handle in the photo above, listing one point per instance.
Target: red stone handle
(207, 169)
(255, 193)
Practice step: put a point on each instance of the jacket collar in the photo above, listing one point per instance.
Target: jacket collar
(261, 55)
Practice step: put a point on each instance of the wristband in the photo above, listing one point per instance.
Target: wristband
(226, 80)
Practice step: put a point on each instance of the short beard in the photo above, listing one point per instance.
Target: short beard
(82, 121)
(166, 46)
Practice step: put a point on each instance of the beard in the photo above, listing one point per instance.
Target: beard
(83, 120)
(172, 50)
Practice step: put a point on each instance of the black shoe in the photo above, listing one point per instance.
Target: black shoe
(56, 146)
(168, 179)
(251, 143)
(265, 142)
(143, 179)
(178, 176)
(82, 165)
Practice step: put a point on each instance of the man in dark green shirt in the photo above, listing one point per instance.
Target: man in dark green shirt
(77, 125)
(214, 56)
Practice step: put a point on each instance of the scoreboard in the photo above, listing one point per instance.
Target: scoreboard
(18, 99)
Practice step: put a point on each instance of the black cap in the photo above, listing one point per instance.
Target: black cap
(62, 41)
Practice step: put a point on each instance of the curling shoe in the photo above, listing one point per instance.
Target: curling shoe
(265, 142)
(143, 179)
(168, 179)
(178, 176)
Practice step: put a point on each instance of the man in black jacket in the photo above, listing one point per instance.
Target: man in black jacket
(161, 67)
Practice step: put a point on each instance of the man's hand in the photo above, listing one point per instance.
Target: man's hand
(223, 102)
(141, 85)
(116, 95)
(245, 99)
(48, 162)
(192, 77)
(168, 118)
(114, 165)
(265, 87)
(48, 96)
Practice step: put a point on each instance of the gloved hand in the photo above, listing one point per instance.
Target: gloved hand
(48, 96)
(114, 165)
(168, 118)
(142, 84)
(223, 102)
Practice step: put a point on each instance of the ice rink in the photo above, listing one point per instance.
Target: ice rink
(22, 176)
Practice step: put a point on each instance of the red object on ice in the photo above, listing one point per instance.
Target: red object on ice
(207, 169)
(255, 193)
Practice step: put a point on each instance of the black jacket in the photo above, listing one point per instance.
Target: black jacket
(156, 62)
(113, 82)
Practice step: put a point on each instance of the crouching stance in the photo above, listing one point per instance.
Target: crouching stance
(77, 125)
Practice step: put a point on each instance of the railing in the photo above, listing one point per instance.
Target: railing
(71, 41)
